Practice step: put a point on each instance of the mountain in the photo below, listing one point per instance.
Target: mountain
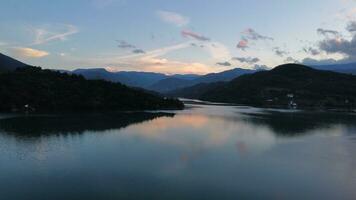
(96, 74)
(9, 64)
(170, 84)
(348, 68)
(166, 83)
(35, 89)
(130, 78)
(195, 91)
(306, 86)
(223, 76)
(133, 79)
(159, 82)
(185, 76)
(139, 79)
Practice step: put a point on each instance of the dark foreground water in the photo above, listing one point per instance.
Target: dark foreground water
(206, 152)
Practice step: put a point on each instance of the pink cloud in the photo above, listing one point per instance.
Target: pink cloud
(243, 44)
(253, 35)
(191, 34)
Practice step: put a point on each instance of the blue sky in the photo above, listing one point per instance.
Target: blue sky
(177, 36)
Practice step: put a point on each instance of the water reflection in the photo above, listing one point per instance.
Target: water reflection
(301, 122)
(42, 125)
(206, 152)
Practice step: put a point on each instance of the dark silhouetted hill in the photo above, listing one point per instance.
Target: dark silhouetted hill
(34, 89)
(309, 88)
(9, 64)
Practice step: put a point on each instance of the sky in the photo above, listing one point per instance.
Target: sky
(177, 36)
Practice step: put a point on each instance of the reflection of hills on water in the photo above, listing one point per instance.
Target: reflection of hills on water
(34, 126)
(299, 123)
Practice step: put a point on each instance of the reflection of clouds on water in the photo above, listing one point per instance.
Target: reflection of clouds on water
(214, 149)
(204, 131)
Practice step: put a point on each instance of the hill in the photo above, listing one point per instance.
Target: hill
(170, 84)
(223, 76)
(131, 78)
(34, 89)
(306, 86)
(163, 83)
(348, 68)
(195, 91)
(9, 64)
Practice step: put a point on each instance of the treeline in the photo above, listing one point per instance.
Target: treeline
(35, 89)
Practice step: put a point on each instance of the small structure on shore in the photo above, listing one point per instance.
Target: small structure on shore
(292, 104)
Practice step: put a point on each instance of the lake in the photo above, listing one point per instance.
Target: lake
(203, 152)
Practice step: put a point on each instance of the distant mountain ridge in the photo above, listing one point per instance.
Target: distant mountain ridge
(163, 83)
(157, 81)
(171, 84)
(167, 83)
(348, 68)
(133, 79)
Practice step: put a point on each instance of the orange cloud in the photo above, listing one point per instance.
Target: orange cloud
(28, 52)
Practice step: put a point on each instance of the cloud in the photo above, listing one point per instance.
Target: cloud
(311, 50)
(154, 60)
(28, 52)
(291, 60)
(351, 14)
(174, 67)
(217, 50)
(335, 43)
(248, 60)
(199, 45)
(243, 44)
(338, 44)
(125, 45)
(164, 50)
(224, 63)
(260, 67)
(43, 35)
(280, 52)
(191, 34)
(150, 61)
(138, 51)
(351, 27)
(173, 18)
(248, 35)
(343, 46)
(328, 33)
(251, 34)
(311, 61)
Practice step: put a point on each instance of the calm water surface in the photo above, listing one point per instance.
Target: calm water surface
(205, 152)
